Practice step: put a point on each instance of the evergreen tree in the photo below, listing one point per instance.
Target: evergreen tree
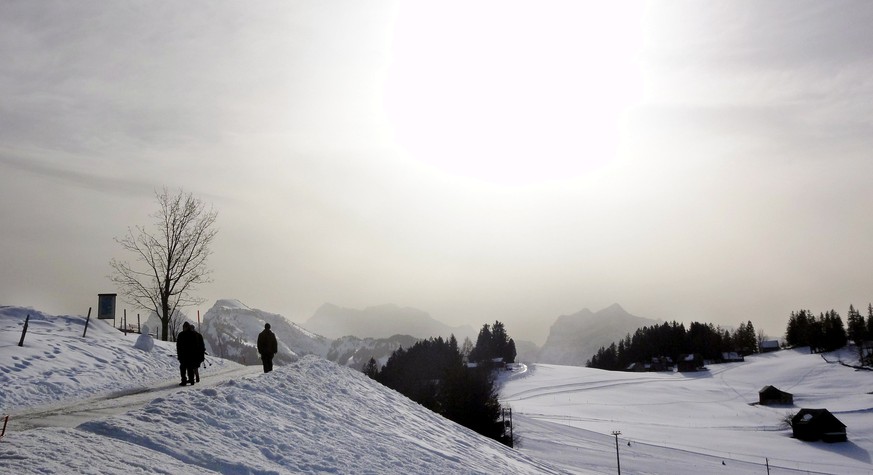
(482, 351)
(745, 340)
(869, 334)
(371, 369)
(510, 354)
(833, 332)
(432, 373)
(857, 328)
(493, 343)
(466, 349)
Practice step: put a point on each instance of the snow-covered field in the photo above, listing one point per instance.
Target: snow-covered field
(314, 416)
(705, 422)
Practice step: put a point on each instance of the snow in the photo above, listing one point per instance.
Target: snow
(312, 416)
(97, 404)
(692, 422)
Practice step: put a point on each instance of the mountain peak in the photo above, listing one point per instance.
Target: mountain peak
(575, 338)
(230, 304)
(614, 308)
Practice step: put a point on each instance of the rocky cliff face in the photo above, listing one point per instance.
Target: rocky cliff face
(574, 339)
(231, 330)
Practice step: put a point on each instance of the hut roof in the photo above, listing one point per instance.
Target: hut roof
(821, 417)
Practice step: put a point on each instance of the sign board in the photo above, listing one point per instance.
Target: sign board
(106, 306)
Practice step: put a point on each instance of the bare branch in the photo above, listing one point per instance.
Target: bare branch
(172, 260)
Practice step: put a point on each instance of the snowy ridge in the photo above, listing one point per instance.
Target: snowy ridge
(311, 416)
(231, 330)
(56, 361)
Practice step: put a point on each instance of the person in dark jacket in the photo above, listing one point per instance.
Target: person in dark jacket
(267, 347)
(186, 351)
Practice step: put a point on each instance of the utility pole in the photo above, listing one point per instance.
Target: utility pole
(617, 460)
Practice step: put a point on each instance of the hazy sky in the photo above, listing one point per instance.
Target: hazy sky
(481, 161)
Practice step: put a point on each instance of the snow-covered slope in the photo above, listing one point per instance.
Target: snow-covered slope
(312, 416)
(692, 422)
(57, 363)
(231, 330)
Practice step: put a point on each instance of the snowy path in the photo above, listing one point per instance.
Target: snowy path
(71, 415)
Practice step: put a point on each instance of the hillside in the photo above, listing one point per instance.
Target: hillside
(574, 339)
(310, 417)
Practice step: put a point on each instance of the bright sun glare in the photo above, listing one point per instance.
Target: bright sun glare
(513, 92)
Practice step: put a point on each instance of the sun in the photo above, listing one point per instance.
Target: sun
(511, 92)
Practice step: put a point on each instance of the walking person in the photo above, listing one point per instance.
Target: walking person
(186, 352)
(267, 347)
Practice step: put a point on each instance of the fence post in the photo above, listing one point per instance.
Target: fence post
(87, 320)
(24, 330)
(5, 421)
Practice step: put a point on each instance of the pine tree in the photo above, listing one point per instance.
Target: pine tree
(371, 369)
(482, 351)
(857, 328)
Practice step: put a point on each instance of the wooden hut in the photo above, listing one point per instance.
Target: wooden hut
(818, 424)
(771, 395)
(688, 363)
(768, 346)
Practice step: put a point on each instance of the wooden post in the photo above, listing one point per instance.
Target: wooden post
(87, 320)
(511, 435)
(24, 331)
(124, 322)
(5, 421)
(617, 460)
(138, 327)
(198, 321)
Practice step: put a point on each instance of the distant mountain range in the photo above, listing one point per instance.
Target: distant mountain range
(382, 321)
(351, 337)
(230, 330)
(574, 339)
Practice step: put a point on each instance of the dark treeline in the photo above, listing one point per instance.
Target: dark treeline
(435, 373)
(672, 340)
(823, 333)
(827, 332)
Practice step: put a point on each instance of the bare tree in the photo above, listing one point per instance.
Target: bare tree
(172, 259)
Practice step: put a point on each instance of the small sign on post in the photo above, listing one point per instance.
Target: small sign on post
(106, 306)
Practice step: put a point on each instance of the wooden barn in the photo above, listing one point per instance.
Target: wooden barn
(818, 424)
(688, 363)
(771, 395)
(768, 346)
